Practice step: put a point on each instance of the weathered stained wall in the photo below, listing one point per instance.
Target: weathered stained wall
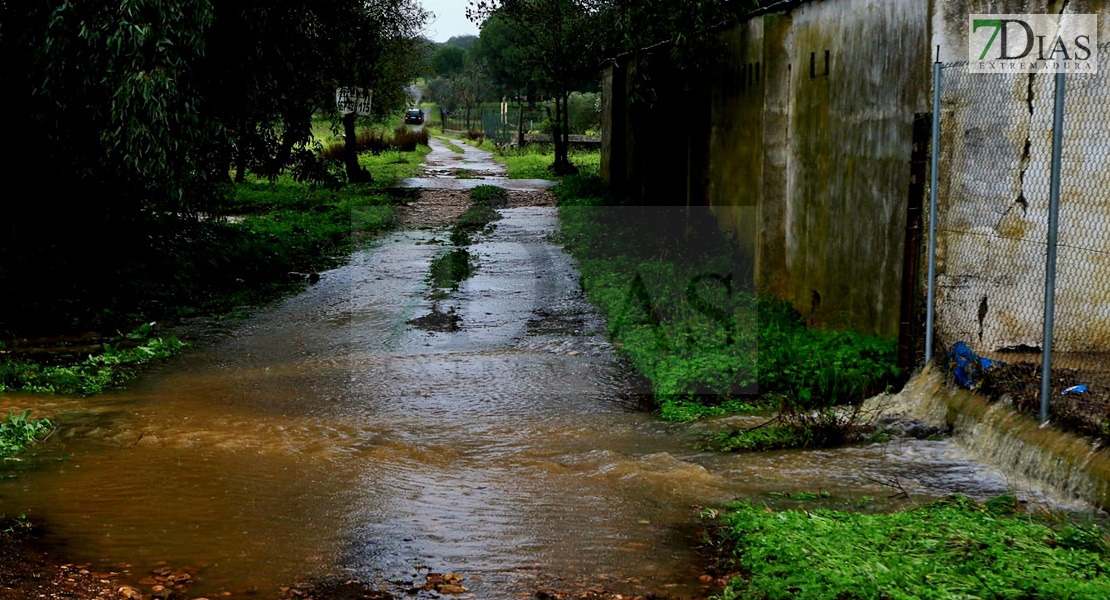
(851, 137)
(994, 193)
(822, 152)
(822, 155)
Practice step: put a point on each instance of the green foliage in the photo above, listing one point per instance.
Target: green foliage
(133, 115)
(954, 548)
(88, 376)
(17, 524)
(771, 437)
(679, 309)
(447, 60)
(479, 216)
(450, 268)
(457, 264)
(818, 366)
(20, 431)
(562, 40)
(489, 195)
(534, 161)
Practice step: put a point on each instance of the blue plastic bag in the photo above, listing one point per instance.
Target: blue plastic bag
(967, 366)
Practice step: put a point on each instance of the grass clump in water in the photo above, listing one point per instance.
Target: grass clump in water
(20, 431)
(953, 548)
(458, 264)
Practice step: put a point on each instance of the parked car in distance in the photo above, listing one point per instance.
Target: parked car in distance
(414, 116)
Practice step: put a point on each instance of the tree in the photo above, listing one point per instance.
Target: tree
(131, 113)
(561, 46)
(273, 64)
(448, 60)
(504, 56)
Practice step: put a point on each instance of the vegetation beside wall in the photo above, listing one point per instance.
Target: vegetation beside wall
(681, 308)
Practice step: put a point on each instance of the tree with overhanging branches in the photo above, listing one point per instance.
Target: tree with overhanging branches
(561, 45)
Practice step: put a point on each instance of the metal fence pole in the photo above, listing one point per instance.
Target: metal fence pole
(930, 303)
(1053, 229)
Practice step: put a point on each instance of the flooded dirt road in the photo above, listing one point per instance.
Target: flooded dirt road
(331, 436)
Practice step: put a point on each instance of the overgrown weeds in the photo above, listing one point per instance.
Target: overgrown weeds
(953, 548)
(681, 308)
(376, 142)
(87, 376)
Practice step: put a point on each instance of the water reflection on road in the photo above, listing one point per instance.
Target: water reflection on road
(330, 436)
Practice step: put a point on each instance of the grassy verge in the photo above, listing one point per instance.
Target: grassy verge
(534, 160)
(453, 147)
(278, 235)
(679, 300)
(86, 375)
(954, 548)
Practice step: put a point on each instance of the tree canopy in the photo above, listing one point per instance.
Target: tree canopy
(142, 105)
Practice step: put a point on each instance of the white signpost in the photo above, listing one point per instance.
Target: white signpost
(353, 100)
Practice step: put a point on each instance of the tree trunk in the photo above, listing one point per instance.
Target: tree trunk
(559, 137)
(355, 173)
(520, 124)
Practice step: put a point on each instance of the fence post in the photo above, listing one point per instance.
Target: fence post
(931, 300)
(1053, 230)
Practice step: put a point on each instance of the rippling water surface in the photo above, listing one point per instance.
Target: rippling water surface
(330, 437)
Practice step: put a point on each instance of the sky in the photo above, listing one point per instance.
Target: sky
(450, 20)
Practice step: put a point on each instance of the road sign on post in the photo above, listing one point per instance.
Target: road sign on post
(353, 100)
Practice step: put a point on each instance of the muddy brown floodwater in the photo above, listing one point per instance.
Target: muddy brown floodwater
(328, 436)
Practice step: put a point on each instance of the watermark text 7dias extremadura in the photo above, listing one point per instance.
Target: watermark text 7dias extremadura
(1032, 43)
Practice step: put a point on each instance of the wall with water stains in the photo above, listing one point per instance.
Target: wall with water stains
(994, 195)
(808, 147)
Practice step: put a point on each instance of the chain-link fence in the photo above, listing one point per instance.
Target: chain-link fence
(495, 124)
(995, 240)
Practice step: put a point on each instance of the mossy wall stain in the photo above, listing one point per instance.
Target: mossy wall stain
(819, 147)
(810, 167)
(736, 132)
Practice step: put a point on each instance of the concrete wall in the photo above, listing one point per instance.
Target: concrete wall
(809, 167)
(810, 170)
(994, 193)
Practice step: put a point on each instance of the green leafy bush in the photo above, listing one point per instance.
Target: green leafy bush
(20, 431)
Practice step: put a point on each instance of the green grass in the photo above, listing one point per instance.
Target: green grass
(534, 161)
(86, 375)
(770, 437)
(458, 264)
(954, 548)
(452, 146)
(19, 432)
(678, 298)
